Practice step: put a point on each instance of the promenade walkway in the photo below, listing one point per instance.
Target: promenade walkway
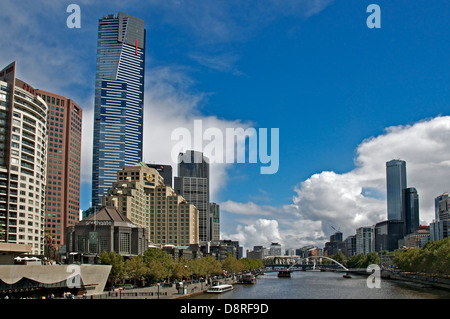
(163, 291)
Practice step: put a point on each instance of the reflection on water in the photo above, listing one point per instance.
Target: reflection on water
(325, 285)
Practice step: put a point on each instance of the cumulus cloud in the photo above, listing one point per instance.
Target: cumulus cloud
(356, 198)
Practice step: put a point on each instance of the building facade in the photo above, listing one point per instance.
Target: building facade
(439, 228)
(214, 217)
(64, 126)
(165, 171)
(140, 194)
(411, 210)
(387, 234)
(119, 99)
(365, 240)
(396, 183)
(23, 162)
(192, 183)
(106, 230)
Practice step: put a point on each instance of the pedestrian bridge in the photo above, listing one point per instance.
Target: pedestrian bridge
(291, 262)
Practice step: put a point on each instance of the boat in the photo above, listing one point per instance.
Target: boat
(220, 288)
(284, 274)
(247, 279)
(347, 275)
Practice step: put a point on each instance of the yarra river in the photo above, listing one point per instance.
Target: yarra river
(326, 285)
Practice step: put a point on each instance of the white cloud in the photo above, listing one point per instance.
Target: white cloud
(357, 198)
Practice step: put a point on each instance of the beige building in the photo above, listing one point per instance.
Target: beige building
(23, 162)
(141, 195)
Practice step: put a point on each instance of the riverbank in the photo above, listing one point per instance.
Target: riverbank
(434, 281)
(172, 291)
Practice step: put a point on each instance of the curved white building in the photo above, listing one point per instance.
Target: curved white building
(23, 162)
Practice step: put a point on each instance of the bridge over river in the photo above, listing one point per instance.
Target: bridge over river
(286, 264)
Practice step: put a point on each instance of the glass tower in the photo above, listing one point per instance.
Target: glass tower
(411, 210)
(396, 183)
(119, 99)
(192, 183)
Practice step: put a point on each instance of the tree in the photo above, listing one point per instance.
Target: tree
(232, 265)
(136, 269)
(165, 260)
(250, 264)
(116, 261)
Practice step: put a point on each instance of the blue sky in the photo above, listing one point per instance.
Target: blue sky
(345, 98)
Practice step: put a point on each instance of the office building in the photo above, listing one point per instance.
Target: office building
(214, 218)
(23, 162)
(192, 183)
(387, 234)
(350, 246)
(165, 171)
(396, 183)
(411, 210)
(275, 249)
(335, 244)
(119, 99)
(64, 127)
(140, 194)
(440, 227)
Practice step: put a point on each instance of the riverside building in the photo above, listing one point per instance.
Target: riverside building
(23, 162)
(64, 124)
(140, 194)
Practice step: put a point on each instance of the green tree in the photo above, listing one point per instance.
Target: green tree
(136, 269)
(251, 264)
(161, 259)
(357, 261)
(232, 265)
(156, 271)
(116, 261)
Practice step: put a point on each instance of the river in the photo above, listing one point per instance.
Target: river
(326, 285)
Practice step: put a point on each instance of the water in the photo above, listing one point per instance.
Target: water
(326, 285)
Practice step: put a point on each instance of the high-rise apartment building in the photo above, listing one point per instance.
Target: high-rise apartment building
(64, 124)
(23, 162)
(396, 183)
(192, 183)
(141, 195)
(365, 240)
(119, 99)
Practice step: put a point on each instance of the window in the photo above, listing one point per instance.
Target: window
(124, 243)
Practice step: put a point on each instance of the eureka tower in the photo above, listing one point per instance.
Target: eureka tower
(119, 100)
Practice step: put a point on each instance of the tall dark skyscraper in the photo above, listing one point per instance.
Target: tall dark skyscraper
(119, 99)
(411, 210)
(402, 202)
(396, 183)
(192, 183)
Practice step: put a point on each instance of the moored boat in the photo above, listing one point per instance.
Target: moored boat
(220, 288)
(247, 279)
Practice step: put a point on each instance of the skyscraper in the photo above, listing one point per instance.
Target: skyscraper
(396, 183)
(119, 99)
(192, 183)
(63, 164)
(411, 210)
(23, 162)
